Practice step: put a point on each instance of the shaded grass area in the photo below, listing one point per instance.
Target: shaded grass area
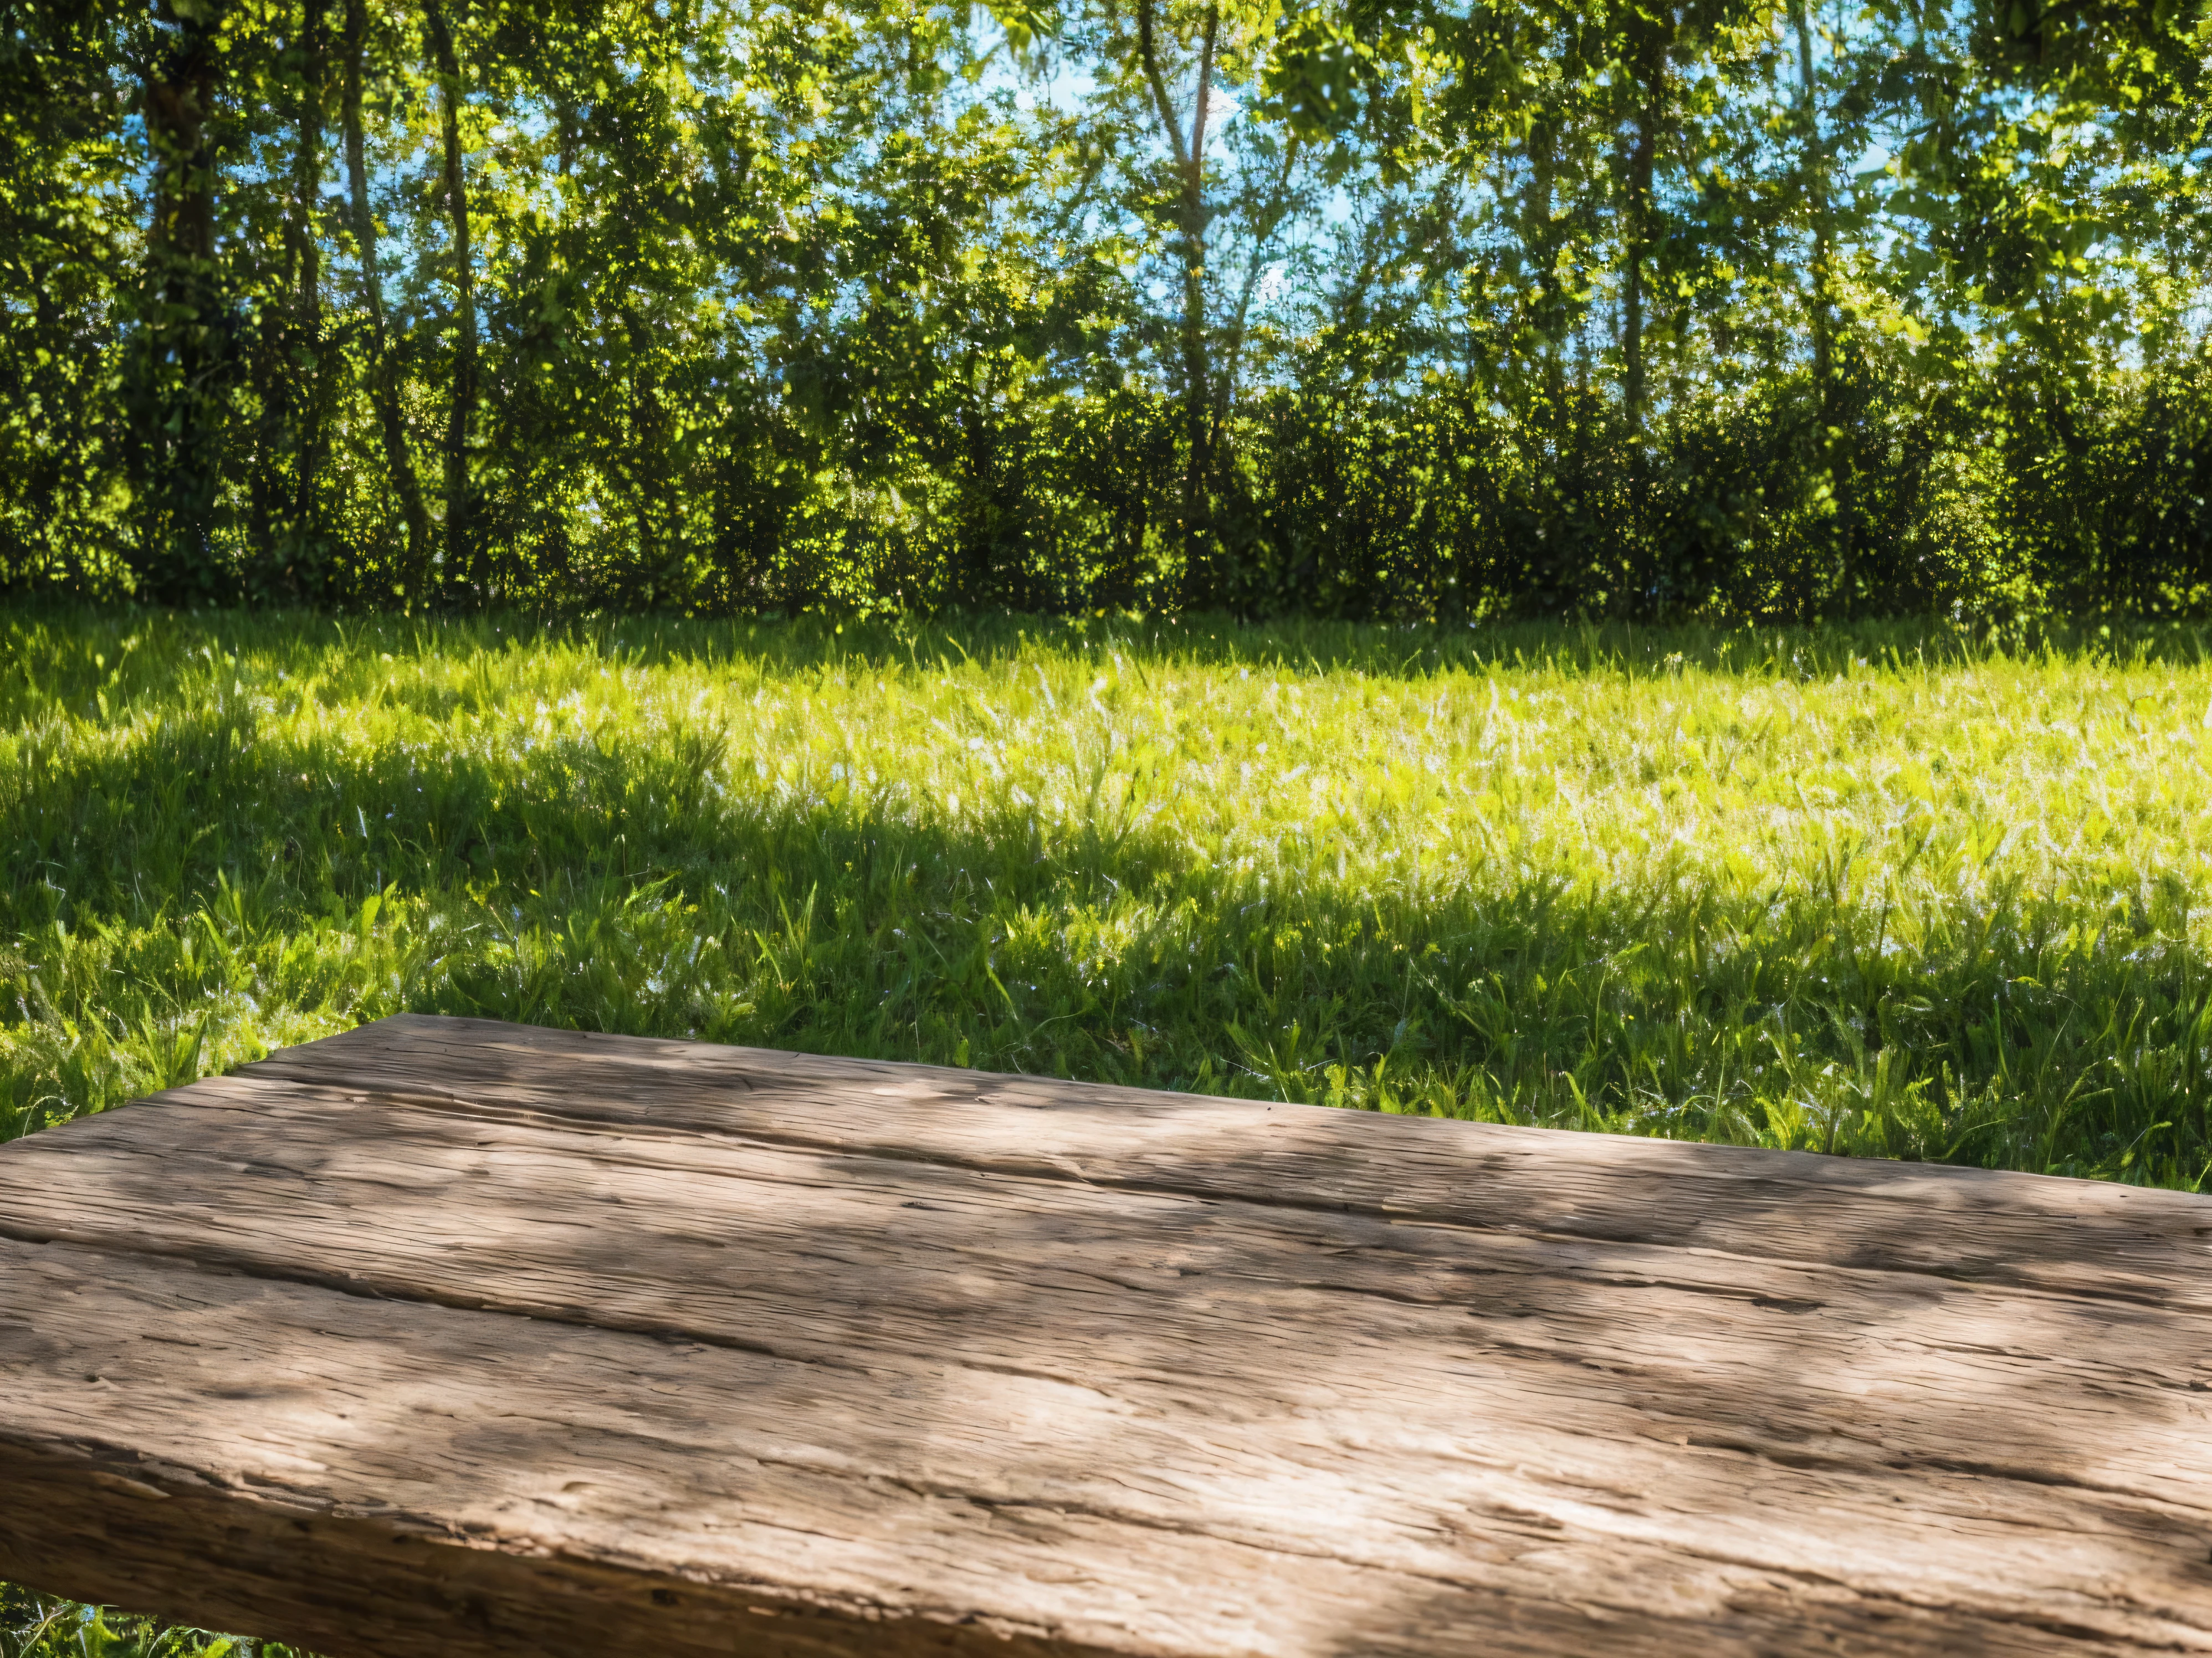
(1882, 891)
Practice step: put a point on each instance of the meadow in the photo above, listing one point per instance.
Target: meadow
(1876, 891)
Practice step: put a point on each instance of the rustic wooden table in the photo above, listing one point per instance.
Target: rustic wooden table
(447, 1337)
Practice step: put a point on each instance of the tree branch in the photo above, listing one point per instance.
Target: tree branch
(1279, 209)
(1150, 53)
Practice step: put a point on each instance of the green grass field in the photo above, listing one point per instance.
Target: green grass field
(1876, 891)
(1860, 892)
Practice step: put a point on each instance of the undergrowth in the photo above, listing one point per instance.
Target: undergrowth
(42, 1626)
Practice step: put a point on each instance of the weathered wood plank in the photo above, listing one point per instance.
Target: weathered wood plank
(524, 1330)
(1971, 1224)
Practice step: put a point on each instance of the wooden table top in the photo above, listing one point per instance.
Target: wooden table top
(445, 1336)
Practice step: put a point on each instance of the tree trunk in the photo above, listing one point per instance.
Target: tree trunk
(1263, 238)
(307, 353)
(1201, 586)
(1814, 164)
(384, 385)
(181, 430)
(1541, 249)
(1821, 310)
(1651, 113)
(460, 563)
(1640, 236)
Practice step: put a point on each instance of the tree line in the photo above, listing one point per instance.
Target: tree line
(1402, 309)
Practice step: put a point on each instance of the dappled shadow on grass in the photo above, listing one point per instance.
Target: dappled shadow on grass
(196, 878)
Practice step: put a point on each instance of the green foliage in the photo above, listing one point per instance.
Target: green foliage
(1714, 312)
(39, 1626)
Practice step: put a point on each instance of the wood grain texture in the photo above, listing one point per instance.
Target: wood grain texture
(444, 1336)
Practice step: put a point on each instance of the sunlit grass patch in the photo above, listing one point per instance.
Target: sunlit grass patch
(1873, 891)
